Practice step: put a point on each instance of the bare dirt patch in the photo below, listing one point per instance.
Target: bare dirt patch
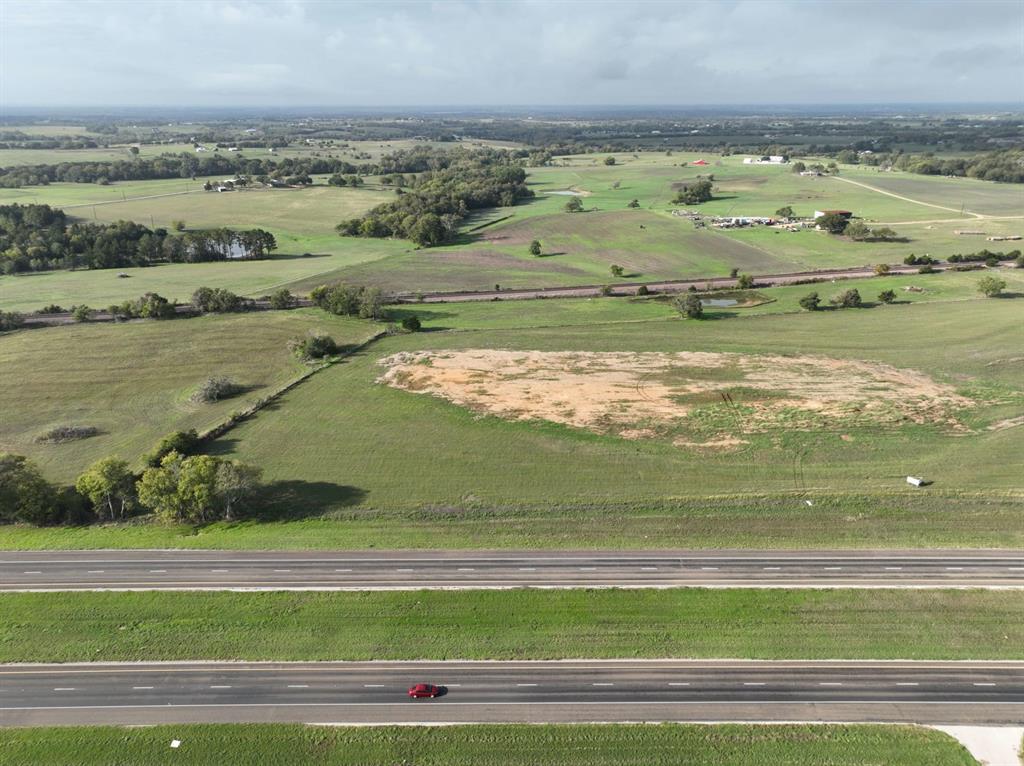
(699, 399)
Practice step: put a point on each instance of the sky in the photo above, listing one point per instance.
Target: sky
(282, 53)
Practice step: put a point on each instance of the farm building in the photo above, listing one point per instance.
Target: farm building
(843, 213)
(699, 162)
(773, 159)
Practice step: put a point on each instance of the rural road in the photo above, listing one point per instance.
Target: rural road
(375, 570)
(561, 691)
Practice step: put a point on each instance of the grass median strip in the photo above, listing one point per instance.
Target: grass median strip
(482, 745)
(518, 624)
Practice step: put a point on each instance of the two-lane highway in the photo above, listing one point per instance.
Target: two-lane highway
(614, 690)
(374, 570)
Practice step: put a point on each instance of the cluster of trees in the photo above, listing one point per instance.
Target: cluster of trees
(350, 300)
(859, 231)
(217, 300)
(986, 256)
(185, 489)
(148, 306)
(40, 238)
(437, 201)
(1004, 165)
(848, 299)
(694, 193)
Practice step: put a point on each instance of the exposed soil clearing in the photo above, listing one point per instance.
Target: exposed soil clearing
(651, 394)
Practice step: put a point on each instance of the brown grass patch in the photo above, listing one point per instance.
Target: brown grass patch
(646, 395)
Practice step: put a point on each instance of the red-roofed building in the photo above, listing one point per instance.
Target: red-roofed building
(699, 162)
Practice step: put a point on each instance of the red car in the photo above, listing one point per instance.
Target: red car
(424, 690)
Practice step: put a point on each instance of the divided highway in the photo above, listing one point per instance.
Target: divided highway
(374, 570)
(615, 690)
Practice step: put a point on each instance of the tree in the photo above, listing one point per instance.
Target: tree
(849, 299)
(110, 486)
(535, 247)
(857, 230)
(881, 269)
(313, 346)
(643, 290)
(10, 320)
(609, 160)
(574, 205)
(833, 223)
(745, 282)
(217, 300)
(411, 323)
(694, 193)
(371, 303)
(689, 306)
(884, 234)
(233, 483)
(799, 167)
(810, 302)
(785, 212)
(25, 496)
(633, 203)
(887, 296)
(604, 291)
(617, 270)
(282, 299)
(991, 287)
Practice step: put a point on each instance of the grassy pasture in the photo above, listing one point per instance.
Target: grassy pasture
(133, 381)
(485, 745)
(516, 624)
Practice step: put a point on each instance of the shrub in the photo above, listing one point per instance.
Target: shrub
(282, 299)
(217, 300)
(1019, 262)
(991, 287)
(605, 291)
(67, 433)
(927, 269)
(313, 346)
(535, 247)
(887, 296)
(810, 302)
(178, 225)
(643, 290)
(609, 160)
(411, 323)
(849, 299)
(215, 389)
(182, 442)
(745, 282)
(82, 313)
(575, 205)
(617, 270)
(881, 269)
(633, 203)
(10, 320)
(53, 308)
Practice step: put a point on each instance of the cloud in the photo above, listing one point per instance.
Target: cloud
(310, 52)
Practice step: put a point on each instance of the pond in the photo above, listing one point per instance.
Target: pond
(719, 303)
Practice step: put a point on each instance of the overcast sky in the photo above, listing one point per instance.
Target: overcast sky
(322, 52)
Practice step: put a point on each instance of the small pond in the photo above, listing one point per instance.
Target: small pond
(719, 303)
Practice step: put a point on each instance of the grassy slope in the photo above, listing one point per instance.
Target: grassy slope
(133, 381)
(517, 624)
(486, 745)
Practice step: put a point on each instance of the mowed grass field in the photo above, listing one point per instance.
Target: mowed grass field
(134, 381)
(526, 624)
(485, 745)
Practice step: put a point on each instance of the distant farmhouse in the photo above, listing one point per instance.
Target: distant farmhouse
(768, 159)
(844, 213)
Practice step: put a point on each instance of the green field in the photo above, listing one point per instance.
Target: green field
(649, 243)
(485, 745)
(514, 624)
(133, 381)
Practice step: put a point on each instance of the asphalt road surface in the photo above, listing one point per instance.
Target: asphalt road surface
(614, 690)
(369, 570)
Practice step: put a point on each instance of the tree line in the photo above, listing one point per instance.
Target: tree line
(438, 200)
(1003, 165)
(41, 238)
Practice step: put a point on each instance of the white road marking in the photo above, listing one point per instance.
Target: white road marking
(832, 569)
(906, 683)
(298, 686)
(527, 569)
(526, 684)
(753, 683)
(142, 687)
(282, 570)
(648, 569)
(587, 569)
(830, 683)
(710, 569)
(373, 686)
(218, 571)
(94, 571)
(677, 683)
(466, 569)
(955, 569)
(33, 572)
(981, 683)
(603, 684)
(342, 570)
(64, 689)
(403, 570)
(220, 687)
(158, 571)
(894, 569)
(771, 568)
